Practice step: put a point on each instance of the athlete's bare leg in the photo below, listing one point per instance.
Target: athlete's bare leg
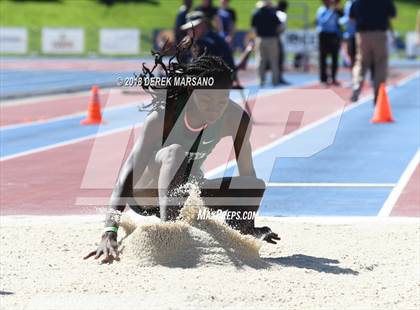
(169, 171)
(172, 173)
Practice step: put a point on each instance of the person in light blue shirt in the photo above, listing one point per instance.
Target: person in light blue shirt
(327, 18)
(349, 34)
(327, 21)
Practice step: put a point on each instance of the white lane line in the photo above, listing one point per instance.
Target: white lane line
(102, 201)
(402, 182)
(338, 220)
(19, 220)
(408, 78)
(69, 116)
(37, 99)
(344, 185)
(308, 127)
(43, 121)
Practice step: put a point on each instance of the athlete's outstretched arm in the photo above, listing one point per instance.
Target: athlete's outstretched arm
(130, 173)
(243, 151)
(136, 163)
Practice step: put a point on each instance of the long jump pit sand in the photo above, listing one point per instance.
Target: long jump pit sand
(333, 263)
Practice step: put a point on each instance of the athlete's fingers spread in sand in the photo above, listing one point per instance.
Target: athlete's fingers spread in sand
(269, 240)
(106, 255)
(108, 247)
(90, 254)
(98, 253)
(114, 253)
(110, 251)
(271, 237)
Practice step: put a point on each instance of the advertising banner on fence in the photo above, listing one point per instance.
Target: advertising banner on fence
(299, 41)
(63, 40)
(295, 41)
(119, 41)
(13, 40)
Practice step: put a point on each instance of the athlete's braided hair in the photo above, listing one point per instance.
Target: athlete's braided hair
(201, 66)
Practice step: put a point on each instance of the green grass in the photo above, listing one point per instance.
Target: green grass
(92, 15)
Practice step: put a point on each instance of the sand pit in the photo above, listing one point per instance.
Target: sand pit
(189, 242)
(370, 263)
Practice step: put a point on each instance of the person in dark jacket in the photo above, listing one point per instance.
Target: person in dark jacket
(267, 27)
(281, 12)
(372, 23)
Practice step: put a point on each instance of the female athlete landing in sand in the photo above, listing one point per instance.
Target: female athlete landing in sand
(182, 129)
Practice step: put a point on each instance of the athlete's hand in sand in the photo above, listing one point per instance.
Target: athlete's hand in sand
(271, 238)
(266, 234)
(108, 247)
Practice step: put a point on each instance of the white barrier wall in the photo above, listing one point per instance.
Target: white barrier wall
(63, 40)
(119, 41)
(13, 40)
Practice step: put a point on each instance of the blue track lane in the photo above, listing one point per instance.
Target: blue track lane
(308, 201)
(24, 83)
(361, 153)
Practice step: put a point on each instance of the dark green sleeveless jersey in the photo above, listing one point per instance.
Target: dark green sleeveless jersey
(198, 145)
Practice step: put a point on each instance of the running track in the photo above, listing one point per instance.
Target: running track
(368, 170)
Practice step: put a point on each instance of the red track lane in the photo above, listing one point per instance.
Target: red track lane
(49, 182)
(408, 204)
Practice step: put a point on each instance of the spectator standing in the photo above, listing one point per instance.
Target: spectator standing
(372, 22)
(267, 28)
(418, 28)
(327, 19)
(349, 35)
(227, 16)
(181, 20)
(281, 12)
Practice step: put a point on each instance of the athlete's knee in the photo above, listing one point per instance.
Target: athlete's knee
(260, 184)
(170, 155)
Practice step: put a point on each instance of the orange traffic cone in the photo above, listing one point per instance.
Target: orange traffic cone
(94, 109)
(383, 108)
